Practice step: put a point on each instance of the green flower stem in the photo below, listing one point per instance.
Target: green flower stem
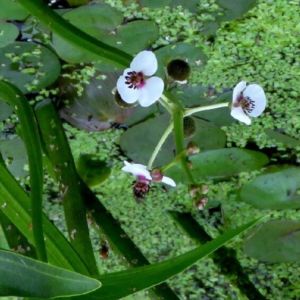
(74, 35)
(159, 145)
(194, 110)
(179, 141)
(31, 138)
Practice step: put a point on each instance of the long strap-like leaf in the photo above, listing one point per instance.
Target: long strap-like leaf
(31, 138)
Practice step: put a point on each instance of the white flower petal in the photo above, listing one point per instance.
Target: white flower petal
(136, 170)
(128, 95)
(168, 181)
(144, 62)
(151, 91)
(256, 93)
(237, 90)
(239, 114)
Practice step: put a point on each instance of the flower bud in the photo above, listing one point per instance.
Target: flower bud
(189, 126)
(192, 148)
(178, 69)
(156, 175)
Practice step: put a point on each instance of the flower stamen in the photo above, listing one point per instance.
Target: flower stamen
(246, 103)
(135, 80)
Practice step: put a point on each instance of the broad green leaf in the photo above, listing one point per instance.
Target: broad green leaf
(82, 41)
(15, 204)
(8, 33)
(276, 241)
(78, 2)
(5, 111)
(12, 10)
(284, 139)
(233, 10)
(219, 164)
(24, 277)
(92, 170)
(276, 190)
(184, 51)
(145, 136)
(96, 108)
(120, 284)
(14, 153)
(28, 66)
(105, 23)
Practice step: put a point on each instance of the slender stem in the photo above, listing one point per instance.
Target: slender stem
(194, 110)
(179, 140)
(159, 145)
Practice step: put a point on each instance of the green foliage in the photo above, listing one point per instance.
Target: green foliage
(22, 276)
(277, 190)
(12, 10)
(219, 164)
(8, 33)
(275, 241)
(28, 66)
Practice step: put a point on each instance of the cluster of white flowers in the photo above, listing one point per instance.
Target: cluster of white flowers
(138, 84)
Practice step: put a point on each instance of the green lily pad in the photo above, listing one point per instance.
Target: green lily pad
(95, 108)
(28, 66)
(15, 155)
(139, 141)
(105, 23)
(284, 139)
(12, 10)
(92, 170)
(277, 190)
(8, 33)
(219, 164)
(276, 241)
(184, 51)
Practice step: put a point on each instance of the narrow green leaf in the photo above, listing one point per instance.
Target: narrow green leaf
(31, 138)
(74, 35)
(120, 284)
(58, 151)
(117, 237)
(15, 204)
(24, 277)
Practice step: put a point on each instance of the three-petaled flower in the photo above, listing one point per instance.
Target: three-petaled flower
(143, 174)
(247, 101)
(136, 83)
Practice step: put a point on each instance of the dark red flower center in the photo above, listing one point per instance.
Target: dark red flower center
(135, 80)
(246, 103)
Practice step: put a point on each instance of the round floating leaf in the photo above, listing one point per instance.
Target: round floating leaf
(5, 111)
(219, 164)
(233, 10)
(277, 190)
(12, 10)
(14, 154)
(104, 23)
(95, 108)
(96, 20)
(183, 51)
(8, 33)
(284, 139)
(29, 66)
(275, 242)
(92, 170)
(139, 141)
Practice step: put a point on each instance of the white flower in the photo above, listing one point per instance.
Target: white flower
(141, 172)
(247, 101)
(136, 83)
